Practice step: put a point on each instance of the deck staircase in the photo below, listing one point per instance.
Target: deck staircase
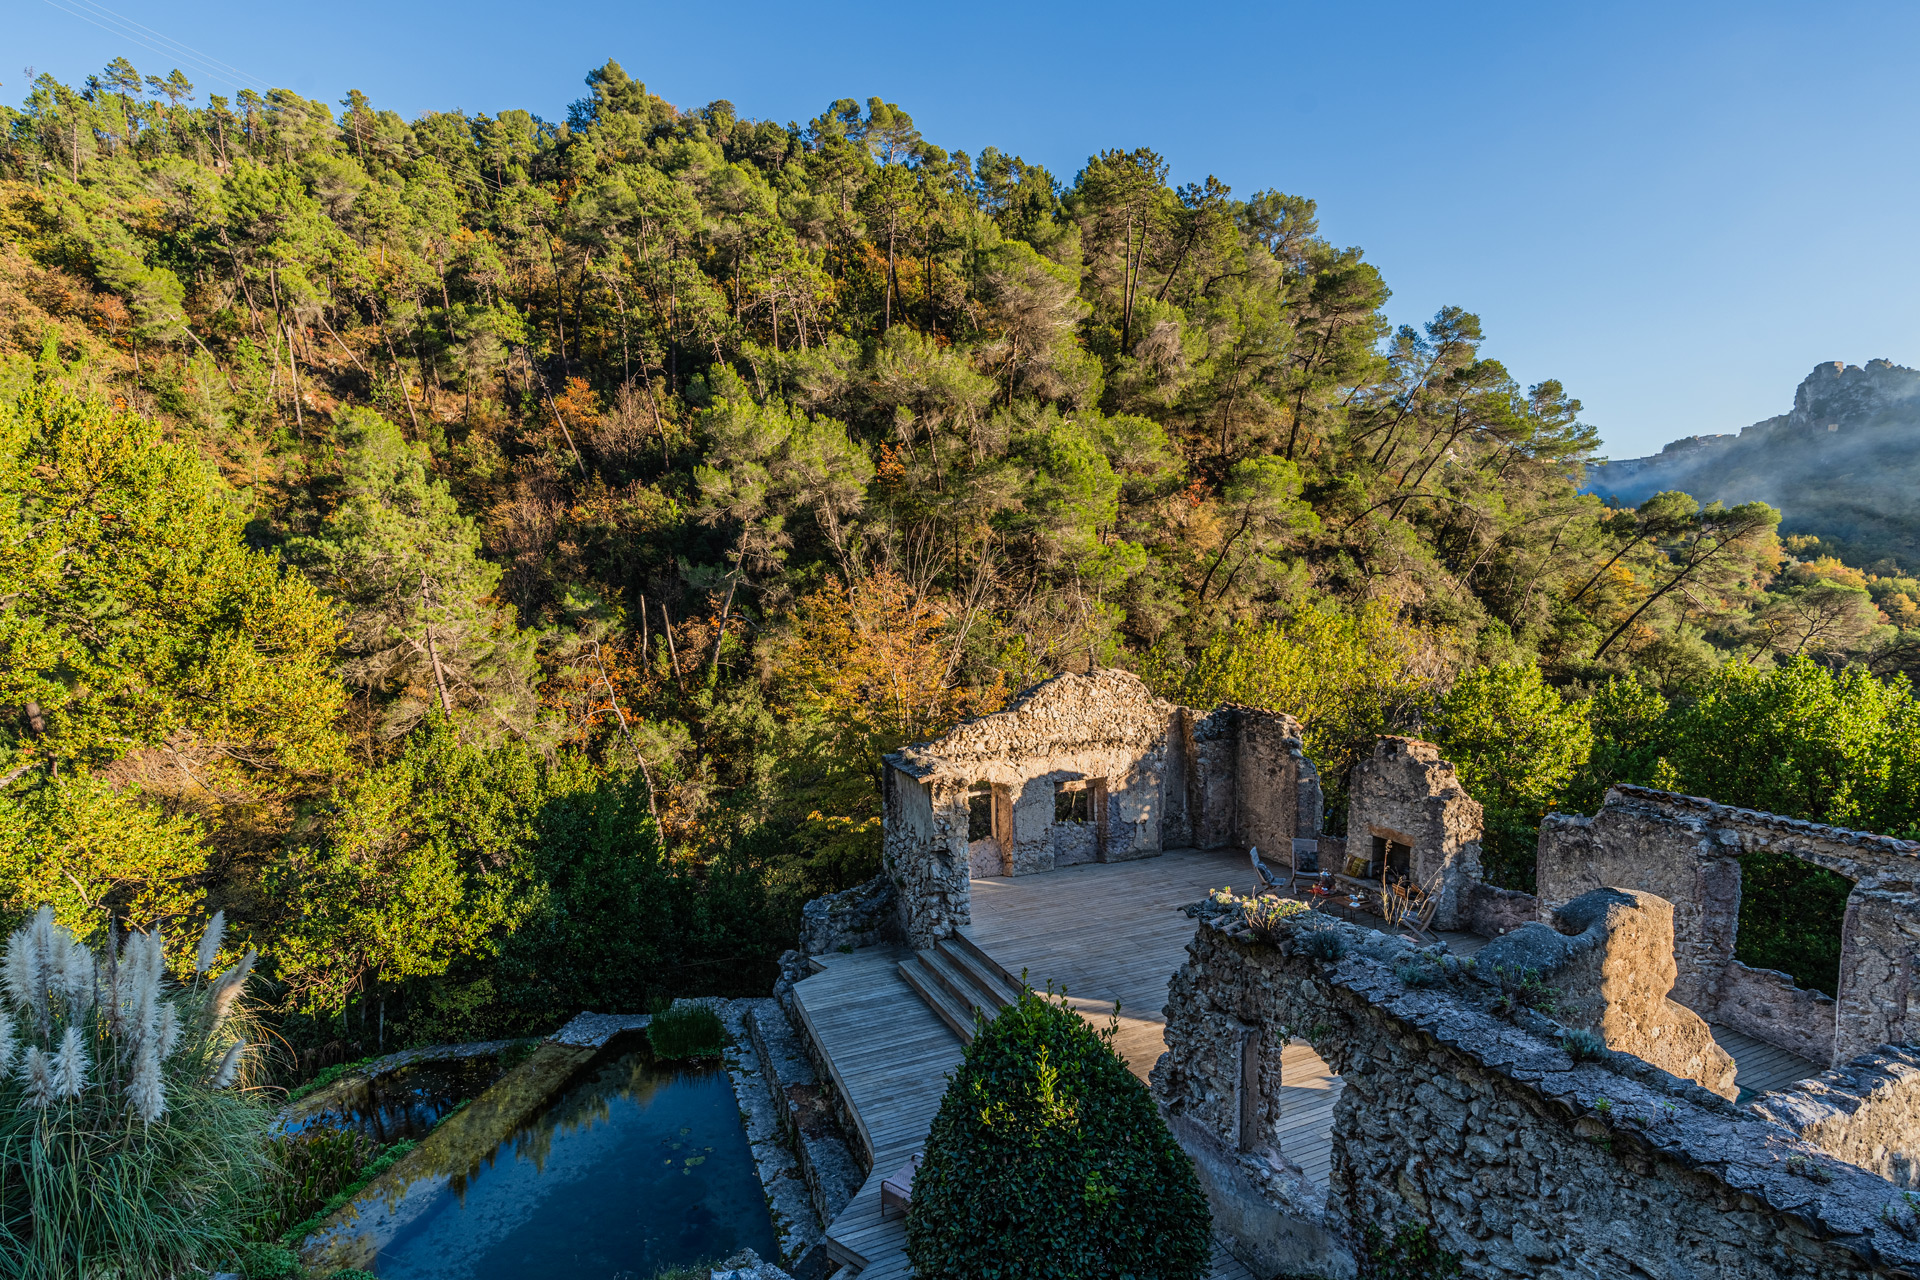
(957, 980)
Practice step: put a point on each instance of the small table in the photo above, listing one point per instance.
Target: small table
(896, 1190)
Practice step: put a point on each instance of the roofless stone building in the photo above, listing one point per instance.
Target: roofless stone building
(1604, 1091)
(1085, 769)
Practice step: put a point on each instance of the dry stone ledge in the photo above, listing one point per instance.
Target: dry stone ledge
(863, 916)
(1866, 1113)
(746, 1265)
(1514, 1156)
(1610, 955)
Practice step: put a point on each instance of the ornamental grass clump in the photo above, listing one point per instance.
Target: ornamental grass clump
(1049, 1161)
(126, 1148)
(687, 1031)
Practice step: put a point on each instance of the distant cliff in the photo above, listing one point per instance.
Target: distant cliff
(1843, 464)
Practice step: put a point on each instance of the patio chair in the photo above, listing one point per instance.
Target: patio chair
(896, 1190)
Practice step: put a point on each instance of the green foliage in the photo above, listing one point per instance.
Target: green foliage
(126, 1137)
(1805, 741)
(618, 921)
(325, 1077)
(345, 1191)
(1411, 1254)
(1047, 1159)
(80, 846)
(260, 1261)
(1790, 918)
(1516, 746)
(687, 1031)
(418, 863)
(1583, 1046)
(1346, 677)
(406, 568)
(131, 608)
(1323, 944)
(310, 1167)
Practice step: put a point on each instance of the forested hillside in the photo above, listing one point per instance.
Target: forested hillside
(488, 556)
(1840, 464)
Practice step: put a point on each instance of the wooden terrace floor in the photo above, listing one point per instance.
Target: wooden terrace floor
(890, 1056)
(1100, 932)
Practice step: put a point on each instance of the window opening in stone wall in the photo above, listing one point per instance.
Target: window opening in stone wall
(1073, 801)
(980, 811)
(1791, 914)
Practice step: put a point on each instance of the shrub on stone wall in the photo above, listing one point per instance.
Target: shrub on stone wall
(1049, 1161)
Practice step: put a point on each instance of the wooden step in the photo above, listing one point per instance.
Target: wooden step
(955, 1012)
(961, 983)
(962, 942)
(984, 975)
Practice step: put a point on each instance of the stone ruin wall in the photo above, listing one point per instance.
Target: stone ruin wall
(1513, 1156)
(1609, 955)
(1406, 793)
(1170, 779)
(1866, 1112)
(1688, 850)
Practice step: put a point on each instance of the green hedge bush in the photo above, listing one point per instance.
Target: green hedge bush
(1049, 1161)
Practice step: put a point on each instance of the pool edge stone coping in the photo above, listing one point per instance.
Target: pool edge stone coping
(757, 1089)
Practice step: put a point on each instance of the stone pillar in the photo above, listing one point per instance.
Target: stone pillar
(1877, 953)
(1610, 952)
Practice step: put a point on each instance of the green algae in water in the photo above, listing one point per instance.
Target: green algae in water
(590, 1187)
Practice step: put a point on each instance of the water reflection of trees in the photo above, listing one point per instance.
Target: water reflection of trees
(633, 1077)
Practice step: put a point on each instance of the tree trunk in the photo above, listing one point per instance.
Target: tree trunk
(433, 652)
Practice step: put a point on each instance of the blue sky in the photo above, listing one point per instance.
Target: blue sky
(1676, 209)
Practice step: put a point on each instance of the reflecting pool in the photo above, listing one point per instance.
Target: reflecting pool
(633, 1169)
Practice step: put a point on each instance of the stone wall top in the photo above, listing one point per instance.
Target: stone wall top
(1854, 854)
(1641, 1112)
(1109, 710)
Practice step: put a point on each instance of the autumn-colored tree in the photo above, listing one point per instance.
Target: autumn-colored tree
(863, 670)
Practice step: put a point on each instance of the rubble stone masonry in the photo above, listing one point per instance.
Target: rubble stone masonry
(1483, 1130)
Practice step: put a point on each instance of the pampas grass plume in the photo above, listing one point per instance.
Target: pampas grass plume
(37, 1078)
(209, 950)
(7, 1045)
(230, 1065)
(227, 989)
(70, 1065)
(146, 1095)
(169, 1031)
(75, 968)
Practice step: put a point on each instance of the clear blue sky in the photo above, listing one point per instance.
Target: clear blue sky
(1676, 209)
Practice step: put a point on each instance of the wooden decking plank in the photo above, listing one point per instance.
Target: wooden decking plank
(1106, 932)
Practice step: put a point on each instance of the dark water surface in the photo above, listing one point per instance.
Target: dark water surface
(637, 1168)
(408, 1102)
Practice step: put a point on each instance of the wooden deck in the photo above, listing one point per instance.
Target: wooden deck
(1114, 931)
(890, 1056)
(1759, 1066)
(1101, 932)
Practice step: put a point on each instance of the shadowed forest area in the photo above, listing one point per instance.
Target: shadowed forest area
(487, 557)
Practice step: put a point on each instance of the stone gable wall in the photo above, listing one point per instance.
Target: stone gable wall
(1405, 792)
(1515, 1157)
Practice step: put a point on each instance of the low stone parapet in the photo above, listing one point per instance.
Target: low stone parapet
(1484, 1132)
